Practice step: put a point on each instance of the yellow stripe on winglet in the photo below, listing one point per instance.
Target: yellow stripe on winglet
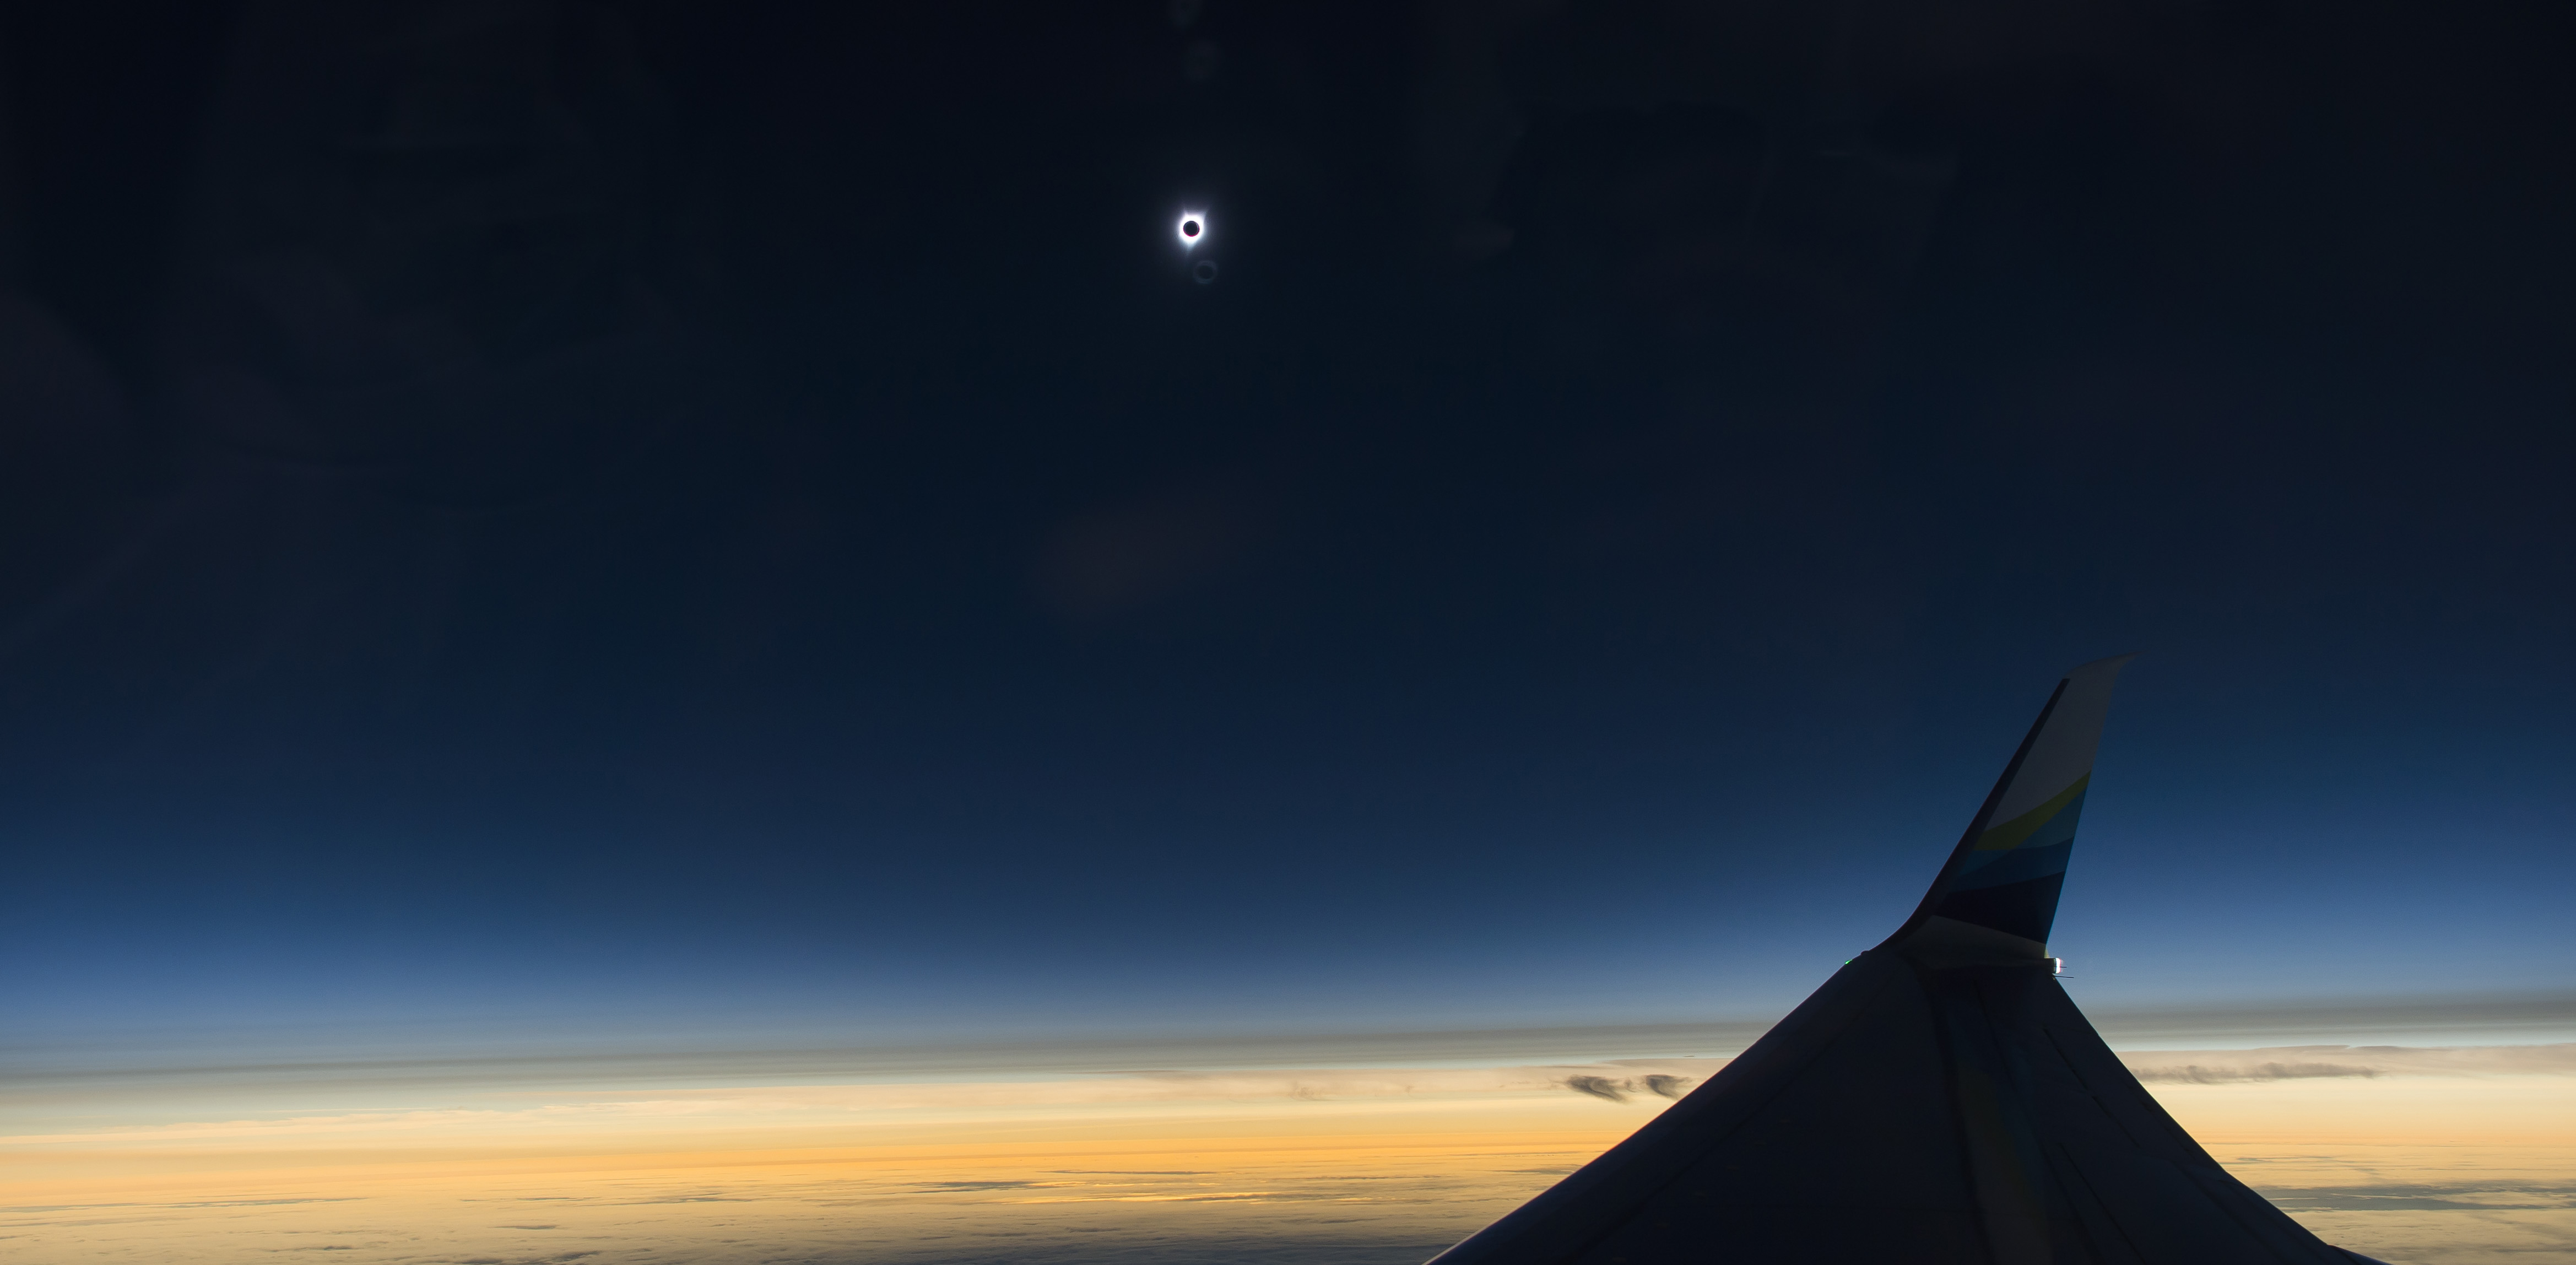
(2010, 834)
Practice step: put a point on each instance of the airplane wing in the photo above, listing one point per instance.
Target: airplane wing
(1939, 1100)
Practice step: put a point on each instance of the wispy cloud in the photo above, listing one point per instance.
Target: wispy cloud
(2196, 1074)
(2452, 1019)
(2469, 1196)
(2311, 1062)
(1660, 1084)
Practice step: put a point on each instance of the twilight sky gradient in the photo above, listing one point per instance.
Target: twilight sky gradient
(723, 545)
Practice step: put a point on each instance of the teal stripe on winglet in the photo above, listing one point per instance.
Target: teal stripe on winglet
(2011, 834)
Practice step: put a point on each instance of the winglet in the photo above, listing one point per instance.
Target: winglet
(1999, 891)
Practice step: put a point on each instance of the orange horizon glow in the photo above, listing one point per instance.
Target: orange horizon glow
(1415, 1156)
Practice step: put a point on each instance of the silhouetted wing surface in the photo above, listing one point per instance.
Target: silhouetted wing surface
(1939, 1100)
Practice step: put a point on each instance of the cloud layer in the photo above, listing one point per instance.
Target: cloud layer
(2313, 1062)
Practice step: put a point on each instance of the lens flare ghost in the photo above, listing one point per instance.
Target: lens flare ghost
(1192, 229)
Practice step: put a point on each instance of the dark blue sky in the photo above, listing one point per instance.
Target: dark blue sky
(720, 519)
